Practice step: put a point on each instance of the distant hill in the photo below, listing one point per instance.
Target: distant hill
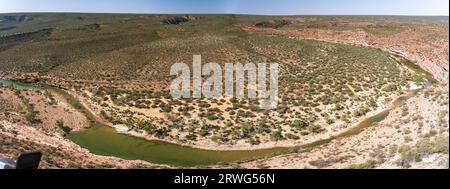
(119, 46)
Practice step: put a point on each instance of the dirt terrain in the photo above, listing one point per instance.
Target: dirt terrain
(335, 73)
(19, 134)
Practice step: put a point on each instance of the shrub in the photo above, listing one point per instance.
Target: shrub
(276, 135)
(315, 128)
(299, 124)
(165, 108)
(262, 128)
(330, 121)
(147, 127)
(246, 129)
(31, 117)
(320, 163)
(161, 132)
(368, 165)
(292, 136)
(254, 141)
(390, 88)
(191, 136)
(424, 147)
(212, 117)
(361, 111)
(60, 124)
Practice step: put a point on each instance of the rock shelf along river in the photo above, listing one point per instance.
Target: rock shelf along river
(104, 140)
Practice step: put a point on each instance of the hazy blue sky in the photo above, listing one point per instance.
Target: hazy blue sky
(271, 7)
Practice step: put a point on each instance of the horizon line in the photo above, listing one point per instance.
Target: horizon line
(205, 13)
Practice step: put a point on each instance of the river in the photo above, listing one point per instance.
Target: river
(104, 140)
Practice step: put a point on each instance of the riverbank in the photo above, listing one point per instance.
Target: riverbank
(399, 141)
(19, 134)
(242, 151)
(191, 155)
(206, 145)
(242, 145)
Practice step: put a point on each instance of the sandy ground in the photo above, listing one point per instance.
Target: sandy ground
(374, 143)
(425, 114)
(242, 145)
(46, 134)
(208, 144)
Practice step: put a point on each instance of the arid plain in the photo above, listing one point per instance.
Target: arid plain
(354, 91)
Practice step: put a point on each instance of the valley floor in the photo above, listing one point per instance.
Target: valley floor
(413, 135)
(416, 140)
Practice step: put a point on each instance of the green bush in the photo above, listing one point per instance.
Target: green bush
(292, 136)
(361, 111)
(191, 136)
(315, 128)
(254, 141)
(276, 135)
(31, 117)
(60, 124)
(368, 165)
(299, 124)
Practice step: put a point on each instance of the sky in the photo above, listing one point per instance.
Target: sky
(260, 7)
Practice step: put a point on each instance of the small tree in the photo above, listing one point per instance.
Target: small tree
(60, 124)
(315, 128)
(191, 136)
(30, 117)
(276, 135)
(299, 124)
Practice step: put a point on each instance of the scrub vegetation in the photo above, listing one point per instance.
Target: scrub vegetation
(335, 71)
